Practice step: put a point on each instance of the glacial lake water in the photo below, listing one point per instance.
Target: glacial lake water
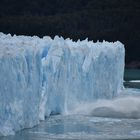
(86, 127)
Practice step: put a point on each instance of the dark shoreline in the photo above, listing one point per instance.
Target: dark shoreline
(133, 65)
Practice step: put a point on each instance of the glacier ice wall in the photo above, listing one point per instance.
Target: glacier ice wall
(44, 76)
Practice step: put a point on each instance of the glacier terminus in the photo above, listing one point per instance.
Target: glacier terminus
(44, 76)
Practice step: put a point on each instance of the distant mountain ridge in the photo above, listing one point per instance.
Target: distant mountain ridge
(54, 7)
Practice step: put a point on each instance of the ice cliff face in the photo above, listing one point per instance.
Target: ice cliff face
(39, 77)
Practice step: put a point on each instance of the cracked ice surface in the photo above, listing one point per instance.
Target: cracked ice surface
(43, 76)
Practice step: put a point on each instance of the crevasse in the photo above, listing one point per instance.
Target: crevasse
(44, 76)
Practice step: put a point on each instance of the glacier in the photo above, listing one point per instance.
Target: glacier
(44, 76)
